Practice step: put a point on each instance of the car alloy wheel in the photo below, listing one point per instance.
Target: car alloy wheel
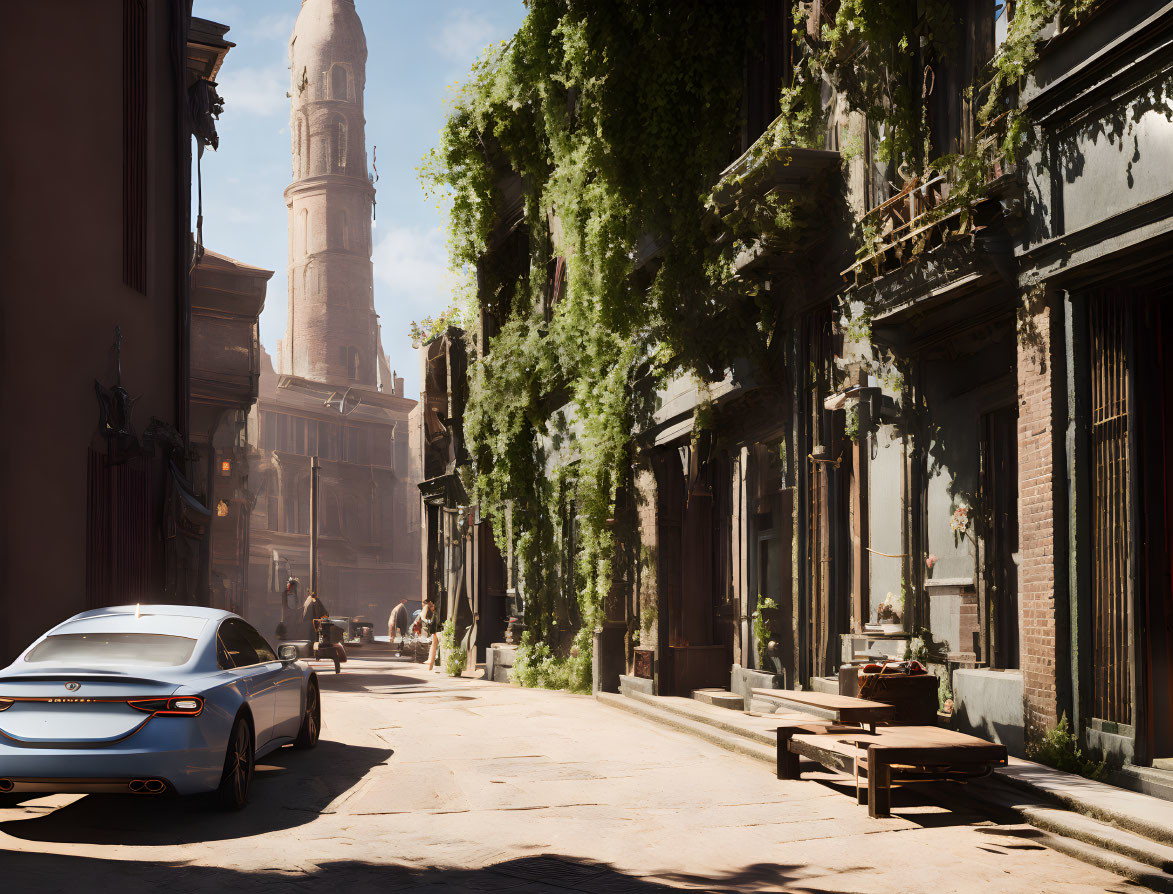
(311, 721)
(238, 766)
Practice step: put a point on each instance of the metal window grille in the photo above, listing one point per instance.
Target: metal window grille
(1111, 509)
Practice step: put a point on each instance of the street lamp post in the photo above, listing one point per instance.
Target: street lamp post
(314, 468)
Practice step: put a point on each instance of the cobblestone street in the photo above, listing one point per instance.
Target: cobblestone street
(423, 781)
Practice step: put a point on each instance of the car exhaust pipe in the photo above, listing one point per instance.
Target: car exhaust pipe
(7, 785)
(155, 786)
(138, 786)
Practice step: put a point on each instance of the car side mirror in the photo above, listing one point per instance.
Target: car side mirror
(287, 652)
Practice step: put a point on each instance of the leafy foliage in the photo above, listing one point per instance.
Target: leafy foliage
(762, 633)
(430, 328)
(535, 664)
(1059, 748)
(455, 658)
(619, 119)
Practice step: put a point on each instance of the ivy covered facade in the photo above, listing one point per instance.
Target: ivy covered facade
(804, 332)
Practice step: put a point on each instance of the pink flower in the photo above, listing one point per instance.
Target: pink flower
(930, 562)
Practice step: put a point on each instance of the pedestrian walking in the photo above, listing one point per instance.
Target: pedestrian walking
(322, 632)
(397, 623)
(429, 626)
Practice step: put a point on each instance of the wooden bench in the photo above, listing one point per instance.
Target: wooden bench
(843, 709)
(885, 755)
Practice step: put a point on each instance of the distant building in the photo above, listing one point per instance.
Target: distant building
(94, 322)
(227, 298)
(332, 392)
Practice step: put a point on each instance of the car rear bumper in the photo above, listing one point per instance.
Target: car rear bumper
(175, 750)
(138, 785)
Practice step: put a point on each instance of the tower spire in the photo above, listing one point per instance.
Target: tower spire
(331, 331)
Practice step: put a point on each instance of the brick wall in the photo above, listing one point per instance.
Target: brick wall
(1036, 506)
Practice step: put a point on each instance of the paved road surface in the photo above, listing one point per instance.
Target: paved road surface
(427, 782)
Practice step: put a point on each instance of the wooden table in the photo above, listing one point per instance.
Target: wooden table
(840, 708)
(887, 754)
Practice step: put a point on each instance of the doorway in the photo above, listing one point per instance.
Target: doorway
(999, 483)
(1131, 522)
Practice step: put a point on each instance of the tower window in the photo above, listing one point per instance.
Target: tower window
(353, 362)
(340, 149)
(338, 82)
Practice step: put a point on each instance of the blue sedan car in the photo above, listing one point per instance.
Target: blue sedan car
(151, 699)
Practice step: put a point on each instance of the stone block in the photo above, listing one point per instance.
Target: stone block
(988, 704)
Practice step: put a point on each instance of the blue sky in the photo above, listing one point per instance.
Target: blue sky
(415, 51)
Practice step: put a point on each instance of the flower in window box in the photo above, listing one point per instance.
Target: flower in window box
(959, 523)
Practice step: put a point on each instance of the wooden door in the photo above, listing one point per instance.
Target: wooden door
(999, 467)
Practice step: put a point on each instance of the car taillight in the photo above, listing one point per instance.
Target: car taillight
(180, 706)
(6, 703)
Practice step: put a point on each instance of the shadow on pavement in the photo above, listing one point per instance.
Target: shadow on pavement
(904, 797)
(291, 788)
(545, 873)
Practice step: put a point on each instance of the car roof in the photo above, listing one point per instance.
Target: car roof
(126, 622)
(191, 611)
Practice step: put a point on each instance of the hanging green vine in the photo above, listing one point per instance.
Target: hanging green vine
(619, 119)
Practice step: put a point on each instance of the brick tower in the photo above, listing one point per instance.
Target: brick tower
(331, 333)
(333, 394)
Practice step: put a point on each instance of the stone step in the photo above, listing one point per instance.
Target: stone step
(1156, 780)
(682, 723)
(1103, 844)
(731, 722)
(825, 684)
(720, 698)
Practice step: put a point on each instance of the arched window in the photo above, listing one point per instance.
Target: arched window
(340, 144)
(304, 231)
(353, 364)
(338, 82)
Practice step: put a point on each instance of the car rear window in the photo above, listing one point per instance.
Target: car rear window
(82, 649)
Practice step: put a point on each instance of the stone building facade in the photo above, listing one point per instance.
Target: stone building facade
(331, 392)
(960, 450)
(977, 471)
(227, 299)
(94, 342)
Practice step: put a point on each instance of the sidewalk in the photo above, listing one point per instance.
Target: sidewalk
(1120, 830)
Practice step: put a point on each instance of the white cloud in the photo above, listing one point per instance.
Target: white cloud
(241, 215)
(277, 26)
(412, 263)
(255, 91)
(464, 34)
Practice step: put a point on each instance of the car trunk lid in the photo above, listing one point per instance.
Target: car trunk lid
(66, 709)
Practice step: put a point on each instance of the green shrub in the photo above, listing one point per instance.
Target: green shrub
(535, 666)
(1059, 748)
(944, 693)
(454, 658)
(761, 631)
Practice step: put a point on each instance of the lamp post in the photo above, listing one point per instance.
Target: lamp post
(314, 468)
